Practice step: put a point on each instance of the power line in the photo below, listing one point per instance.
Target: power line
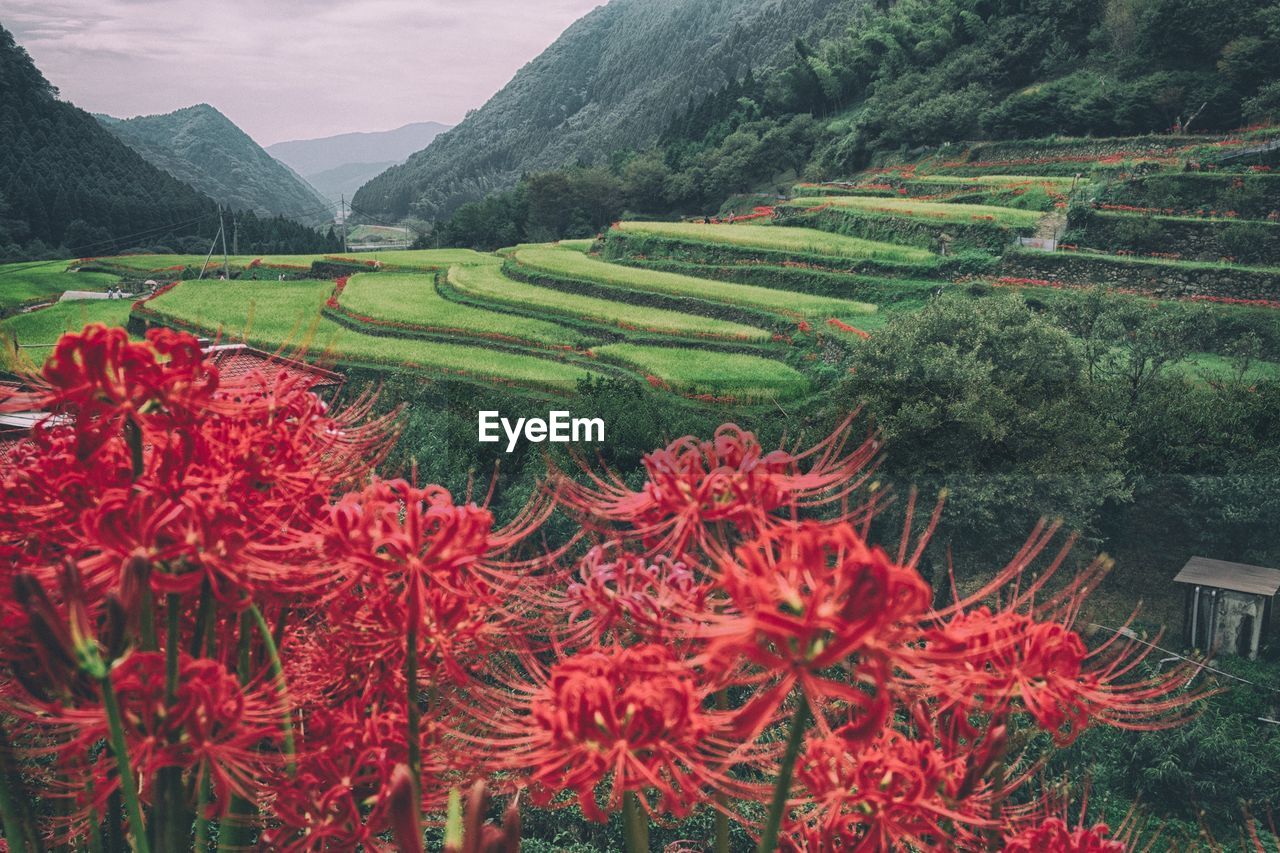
(1201, 665)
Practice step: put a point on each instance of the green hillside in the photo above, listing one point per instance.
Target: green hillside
(612, 81)
(64, 181)
(202, 147)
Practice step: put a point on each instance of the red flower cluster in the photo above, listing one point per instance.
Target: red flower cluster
(221, 615)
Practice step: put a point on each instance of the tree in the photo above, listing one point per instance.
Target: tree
(990, 401)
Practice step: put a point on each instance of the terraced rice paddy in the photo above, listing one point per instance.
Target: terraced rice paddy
(413, 300)
(426, 259)
(721, 375)
(489, 284)
(925, 210)
(21, 283)
(774, 238)
(275, 314)
(41, 329)
(574, 265)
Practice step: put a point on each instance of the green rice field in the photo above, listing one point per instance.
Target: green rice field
(425, 259)
(413, 299)
(25, 282)
(488, 283)
(275, 314)
(925, 210)
(569, 264)
(742, 377)
(775, 238)
(41, 329)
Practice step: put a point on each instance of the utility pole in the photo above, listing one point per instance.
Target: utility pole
(235, 235)
(226, 262)
(345, 250)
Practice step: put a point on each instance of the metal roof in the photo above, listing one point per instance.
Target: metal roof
(236, 360)
(1237, 577)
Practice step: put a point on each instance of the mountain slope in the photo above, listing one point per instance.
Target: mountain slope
(202, 147)
(315, 156)
(612, 81)
(65, 181)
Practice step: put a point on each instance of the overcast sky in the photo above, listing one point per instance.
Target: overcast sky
(288, 69)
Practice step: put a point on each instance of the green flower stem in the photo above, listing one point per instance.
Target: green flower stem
(19, 827)
(172, 819)
(415, 710)
(234, 831)
(722, 818)
(635, 824)
(148, 619)
(128, 785)
(172, 644)
(273, 656)
(782, 790)
(204, 615)
(202, 808)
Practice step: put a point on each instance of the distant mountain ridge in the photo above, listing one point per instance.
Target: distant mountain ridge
(202, 147)
(612, 81)
(340, 165)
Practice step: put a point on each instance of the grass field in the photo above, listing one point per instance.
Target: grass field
(413, 299)
(926, 210)
(149, 263)
(562, 262)
(488, 283)
(274, 314)
(800, 240)
(742, 377)
(426, 259)
(1213, 367)
(21, 283)
(43, 328)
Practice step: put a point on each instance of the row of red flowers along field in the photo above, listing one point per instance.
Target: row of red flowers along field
(225, 625)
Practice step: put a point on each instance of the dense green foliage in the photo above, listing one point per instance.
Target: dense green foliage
(612, 81)
(1078, 410)
(203, 148)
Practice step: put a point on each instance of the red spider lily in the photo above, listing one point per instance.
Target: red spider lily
(628, 597)
(414, 557)
(695, 487)
(1054, 836)
(109, 381)
(212, 727)
(1025, 655)
(626, 719)
(810, 597)
(340, 797)
(892, 792)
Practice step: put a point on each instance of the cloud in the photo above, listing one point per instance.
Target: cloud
(288, 69)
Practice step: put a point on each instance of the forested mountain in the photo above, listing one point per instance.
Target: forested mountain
(65, 181)
(612, 81)
(909, 76)
(202, 147)
(340, 165)
(68, 187)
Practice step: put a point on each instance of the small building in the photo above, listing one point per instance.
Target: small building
(1228, 605)
(236, 360)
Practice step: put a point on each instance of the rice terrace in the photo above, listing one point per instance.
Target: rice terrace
(810, 426)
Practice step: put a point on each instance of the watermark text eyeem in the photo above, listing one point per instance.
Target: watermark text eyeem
(557, 428)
